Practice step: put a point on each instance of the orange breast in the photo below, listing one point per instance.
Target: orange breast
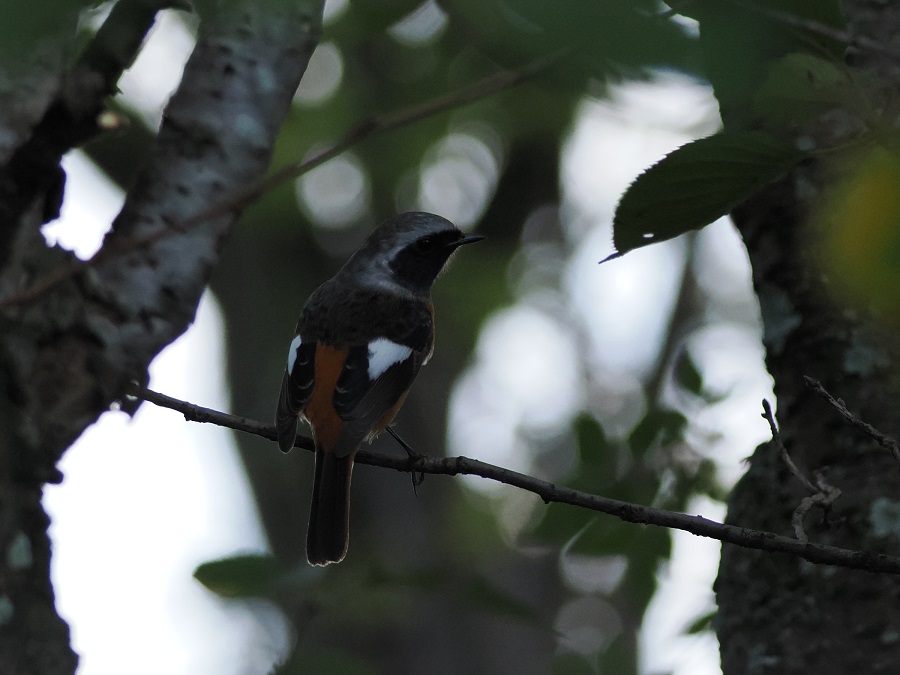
(323, 418)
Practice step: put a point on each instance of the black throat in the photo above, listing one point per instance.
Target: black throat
(417, 265)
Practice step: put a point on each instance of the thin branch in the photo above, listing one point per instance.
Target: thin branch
(776, 436)
(883, 440)
(550, 492)
(197, 413)
(823, 494)
(361, 131)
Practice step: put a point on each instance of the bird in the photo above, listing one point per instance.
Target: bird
(360, 341)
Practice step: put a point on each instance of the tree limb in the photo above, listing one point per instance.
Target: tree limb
(243, 197)
(65, 358)
(883, 440)
(820, 554)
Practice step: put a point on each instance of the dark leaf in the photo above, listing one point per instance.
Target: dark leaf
(241, 576)
(687, 374)
(657, 427)
(701, 624)
(741, 40)
(698, 183)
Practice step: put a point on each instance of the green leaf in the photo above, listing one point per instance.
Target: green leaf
(659, 427)
(593, 448)
(241, 576)
(687, 375)
(701, 624)
(587, 532)
(799, 87)
(741, 40)
(698, 183)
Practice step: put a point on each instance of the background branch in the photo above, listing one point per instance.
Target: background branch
(821, 554)
(232, 205)
(883, 440)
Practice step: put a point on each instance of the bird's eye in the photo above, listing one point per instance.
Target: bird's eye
(425, 245)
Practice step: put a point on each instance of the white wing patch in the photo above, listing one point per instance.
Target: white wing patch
(292, 353)
(383, 354)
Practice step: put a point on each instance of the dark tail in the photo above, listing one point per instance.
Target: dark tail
(329, 516)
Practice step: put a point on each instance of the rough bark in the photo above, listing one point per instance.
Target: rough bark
(777, 614)
(66, 355)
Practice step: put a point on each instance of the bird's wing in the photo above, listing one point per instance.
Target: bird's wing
(376, 377)
(296, 389)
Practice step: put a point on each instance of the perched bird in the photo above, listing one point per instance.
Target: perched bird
(361, 339)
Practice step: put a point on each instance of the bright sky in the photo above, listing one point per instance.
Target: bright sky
(146, 500)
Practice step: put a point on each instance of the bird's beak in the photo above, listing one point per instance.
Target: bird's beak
(468, 239)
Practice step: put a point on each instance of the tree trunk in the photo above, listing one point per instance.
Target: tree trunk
(778, 614)
(68, 350)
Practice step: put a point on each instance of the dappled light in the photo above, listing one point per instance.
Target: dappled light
(687, 215)
(458, 177)
(420, 26)
(323, 76)
(335, 194)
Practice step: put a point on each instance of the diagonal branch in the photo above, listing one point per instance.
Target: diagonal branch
(235, 203)
(550, 492)
(883, 440)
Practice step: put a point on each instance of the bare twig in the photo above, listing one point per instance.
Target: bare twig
(823, 494)
(196, 413)
(550, 492)
(776, 436)
(361, 131)
(883, 440)
(824, 499)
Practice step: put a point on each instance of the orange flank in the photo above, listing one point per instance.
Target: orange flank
(320, 412)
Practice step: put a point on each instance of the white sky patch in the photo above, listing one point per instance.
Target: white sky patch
(537, 375)
(83, 223)
(292, 353)
(334, 9)
(620, 311)
(525, 380)
(482, 424)
(458, 177)
(336, 193)
(689, 573)
(144, 502)
(383, 354)
(156, 72)
(624, 304)
(322, 76)
(615, 140)
(421, 26)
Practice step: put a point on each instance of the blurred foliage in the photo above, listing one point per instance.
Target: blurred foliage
(858, 229)
(243, 576)
(22, 28)
(436, 582)
(440, 582)
(785, 95)
(740, 39)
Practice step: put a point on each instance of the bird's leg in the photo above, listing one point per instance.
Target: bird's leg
(417, 478)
